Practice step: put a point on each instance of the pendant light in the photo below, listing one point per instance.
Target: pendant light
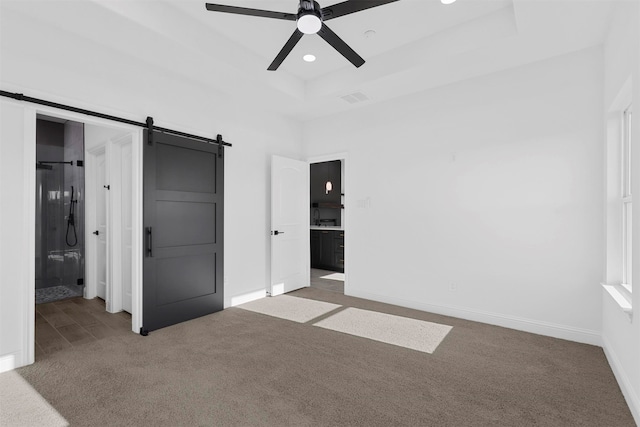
(328, 186)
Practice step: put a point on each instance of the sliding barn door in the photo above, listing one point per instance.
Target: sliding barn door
(183, 198)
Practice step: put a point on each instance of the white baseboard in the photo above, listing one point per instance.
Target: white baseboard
(527, 325)
(244, 298)
(623, 380)
(9, 362)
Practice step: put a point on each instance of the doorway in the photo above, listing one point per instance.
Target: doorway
(75, 220)
(103, 208)
(327, 223)
(18, 178)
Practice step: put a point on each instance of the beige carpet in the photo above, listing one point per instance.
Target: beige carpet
(22, 406)
(288, 307)
(241, 368)
(396, 330)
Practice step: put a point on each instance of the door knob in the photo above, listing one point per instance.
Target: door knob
(97, 233)
(278, 232)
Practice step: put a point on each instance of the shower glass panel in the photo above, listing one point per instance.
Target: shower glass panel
(59, 210)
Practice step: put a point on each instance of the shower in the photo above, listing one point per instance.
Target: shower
(59, 256)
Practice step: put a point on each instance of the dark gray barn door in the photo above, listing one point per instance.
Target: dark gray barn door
(183, 198)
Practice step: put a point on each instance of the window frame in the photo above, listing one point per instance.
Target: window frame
(626, 198)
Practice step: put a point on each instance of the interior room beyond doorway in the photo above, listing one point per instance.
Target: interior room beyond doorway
(327, 224)
(72, 219)
(327, 280)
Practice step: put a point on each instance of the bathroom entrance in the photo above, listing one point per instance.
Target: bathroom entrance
(86, 187)
(327, 223)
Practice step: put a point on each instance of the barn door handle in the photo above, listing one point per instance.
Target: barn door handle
(149, 242)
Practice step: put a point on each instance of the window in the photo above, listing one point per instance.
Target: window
(626, 199)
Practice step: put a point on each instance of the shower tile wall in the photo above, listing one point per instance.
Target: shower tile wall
(49, 213)
(56, 262)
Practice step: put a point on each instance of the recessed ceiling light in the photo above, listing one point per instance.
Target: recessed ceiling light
(369, 34)
(309, 58)
(447, 1)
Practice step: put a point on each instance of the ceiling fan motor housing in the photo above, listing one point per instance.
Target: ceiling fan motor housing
(309, 11)
(307, 6)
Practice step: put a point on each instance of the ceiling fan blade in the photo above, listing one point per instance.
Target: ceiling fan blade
(339, 45)
(351, 6)
(251, 12)
(288, 47)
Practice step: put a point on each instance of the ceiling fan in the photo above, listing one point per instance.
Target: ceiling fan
(310, 20)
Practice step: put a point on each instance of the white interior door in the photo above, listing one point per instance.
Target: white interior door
(127, 225)
(101, 225)
(289, 225)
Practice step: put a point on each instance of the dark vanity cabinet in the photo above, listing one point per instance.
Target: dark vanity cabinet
(338, 251)
(315, 249)
(327, 250)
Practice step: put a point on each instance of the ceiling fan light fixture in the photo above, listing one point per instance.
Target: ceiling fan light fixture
(309, 23)
(309, 17)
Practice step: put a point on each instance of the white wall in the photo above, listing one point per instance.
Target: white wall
(17, 272)
(482, 199)
(621, 334)
(42, 61)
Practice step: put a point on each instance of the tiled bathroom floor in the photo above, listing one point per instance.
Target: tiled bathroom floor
(57, 293)
(75, 321)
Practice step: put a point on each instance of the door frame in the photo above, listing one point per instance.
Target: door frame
(343, 156)
(30, 114)
(116, 168)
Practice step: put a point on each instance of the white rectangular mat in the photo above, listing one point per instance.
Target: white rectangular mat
(22, 405)
(290, 308)
(333, 276)
(401, 331)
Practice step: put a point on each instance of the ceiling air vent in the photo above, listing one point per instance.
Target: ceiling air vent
(355, 97)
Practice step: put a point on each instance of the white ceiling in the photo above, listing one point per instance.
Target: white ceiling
(395, 25)
(419, 44)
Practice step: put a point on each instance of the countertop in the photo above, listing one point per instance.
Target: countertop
(326, 227)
